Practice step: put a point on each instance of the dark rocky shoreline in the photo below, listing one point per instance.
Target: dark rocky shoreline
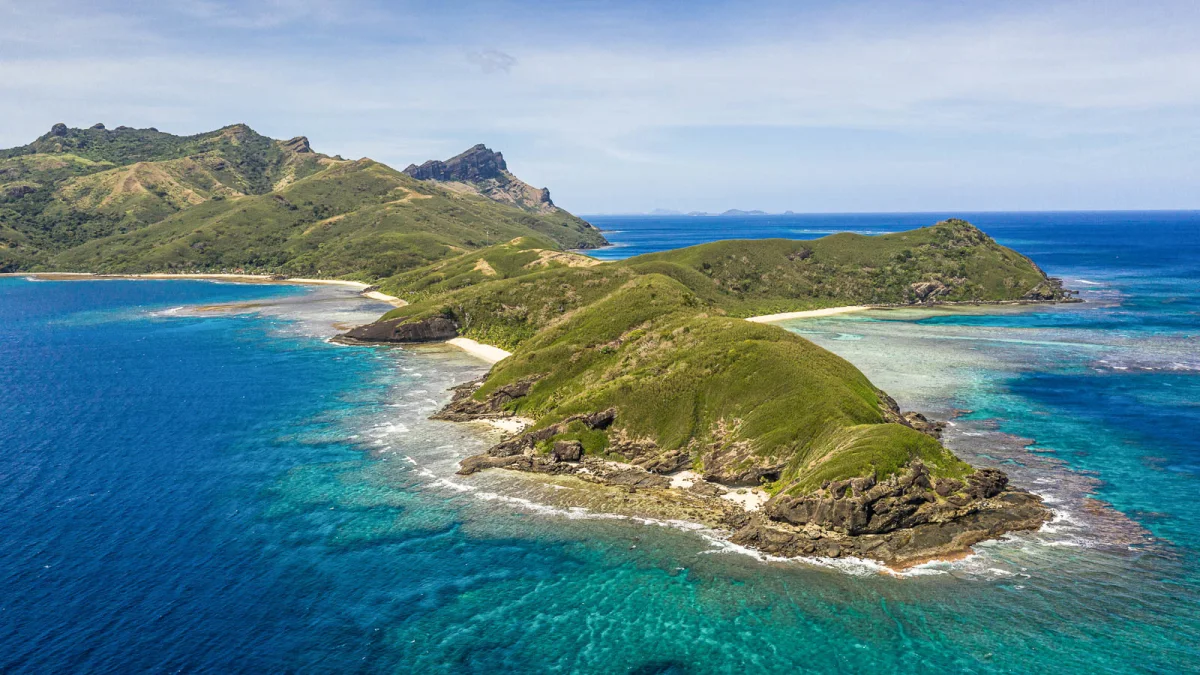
(904, 520)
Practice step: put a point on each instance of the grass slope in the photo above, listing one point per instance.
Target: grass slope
(655, 338)
(732, 394)
(137, 200)
(499, 296)
(748, 278)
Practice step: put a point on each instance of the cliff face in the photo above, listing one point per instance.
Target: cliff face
(483, 171)
(476, 164)
(905, 519)
(141, 200)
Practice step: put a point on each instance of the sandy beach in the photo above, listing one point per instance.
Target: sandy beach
(238, 278)
(808, 314)
(486, 352)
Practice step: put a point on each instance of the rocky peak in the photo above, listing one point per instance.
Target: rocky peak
(59, 129)
(476, 164)
(298, 144)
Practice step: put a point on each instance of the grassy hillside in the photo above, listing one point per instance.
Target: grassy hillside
(357, 219)
(508, 311)
(505, 294)
(952, 261)
(519, 257)
(139, 200)
(654, 338)
(741, 400)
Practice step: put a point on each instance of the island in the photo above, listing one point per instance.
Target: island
(641, 377)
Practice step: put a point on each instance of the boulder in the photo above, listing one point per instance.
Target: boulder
(945, 487)
(433, 329)
(601, 420)
(986, 483)
(480, 462)
(928, 291)
(567, 451)
(14, 191)
(922, 424)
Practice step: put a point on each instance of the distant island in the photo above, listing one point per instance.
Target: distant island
(730, 212)
(640, 379)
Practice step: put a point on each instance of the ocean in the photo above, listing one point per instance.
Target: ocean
(194, 479)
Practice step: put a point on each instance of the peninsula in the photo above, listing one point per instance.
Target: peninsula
(642, 376)
(639, 376)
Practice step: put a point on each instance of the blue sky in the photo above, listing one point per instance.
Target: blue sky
(808, 106)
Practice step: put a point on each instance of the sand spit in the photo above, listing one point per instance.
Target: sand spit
(808, 314)
(486, 352)
(236, 278)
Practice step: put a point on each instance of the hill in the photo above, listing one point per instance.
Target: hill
(140, 200)
(641, 362)
(951, 261)
(494, 299)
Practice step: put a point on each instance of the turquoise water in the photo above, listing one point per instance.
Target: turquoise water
(228, 492)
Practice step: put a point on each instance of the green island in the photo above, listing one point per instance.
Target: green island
(127, 200)
(640, 377)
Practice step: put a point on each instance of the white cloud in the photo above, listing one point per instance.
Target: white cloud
(577, 110)
(492, 60)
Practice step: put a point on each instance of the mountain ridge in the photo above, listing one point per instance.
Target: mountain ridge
(483, 171)
(141, 200)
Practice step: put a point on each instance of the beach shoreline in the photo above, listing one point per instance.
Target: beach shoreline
(746, 500)
(808, 314)
(488, 353)
(365, 290)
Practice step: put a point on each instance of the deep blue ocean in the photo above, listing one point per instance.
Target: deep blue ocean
(189, 485)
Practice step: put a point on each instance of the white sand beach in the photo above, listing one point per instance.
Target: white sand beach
(486, 352)
(808, 314)
(384, 297)
(239, 278)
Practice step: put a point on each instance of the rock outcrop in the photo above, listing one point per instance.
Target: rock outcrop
(928, 291)
(463, 407)
(476, 164)
(18, 190)
(434, 329)
(483, 171)
(299, 144)
(1050, 290)
(905, 519)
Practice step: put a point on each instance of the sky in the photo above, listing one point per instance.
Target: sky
(849, 106)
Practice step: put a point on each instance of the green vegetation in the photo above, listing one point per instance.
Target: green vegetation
(509, 311)
(138, 200)
(519, 257)
(955, 260)
(739, 398)
(654, 338)
(504, 294)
